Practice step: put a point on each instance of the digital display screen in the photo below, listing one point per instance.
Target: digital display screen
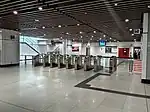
(75, 49)
(102, 43)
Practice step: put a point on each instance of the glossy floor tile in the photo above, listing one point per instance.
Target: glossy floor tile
(28, 89)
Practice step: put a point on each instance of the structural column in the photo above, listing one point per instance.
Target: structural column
(146, 49)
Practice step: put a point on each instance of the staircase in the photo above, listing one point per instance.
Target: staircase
(30, 47)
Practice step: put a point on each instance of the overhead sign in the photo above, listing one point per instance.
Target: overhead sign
(137, 31)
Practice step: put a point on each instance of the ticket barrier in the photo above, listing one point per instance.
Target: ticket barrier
(46, 60)
(37, 60)
(61, 63)
(78, 63)
(68, 63)
(73, 59)
(87, 63)
(97, 64)
(53, 61)
(112, 64)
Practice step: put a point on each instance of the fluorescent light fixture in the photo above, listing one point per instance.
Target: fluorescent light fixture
(15, 12)
(132, 34)
(36, 20)
(40, 8)
(130, 29)
(126, 20)
(81, 32)
(116, 4)
(59, 26)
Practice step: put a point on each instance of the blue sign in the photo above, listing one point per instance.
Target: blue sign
(102, 43)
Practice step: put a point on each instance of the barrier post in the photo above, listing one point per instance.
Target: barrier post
(25, 59)
(131, 66)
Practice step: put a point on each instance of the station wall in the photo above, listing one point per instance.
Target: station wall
(9, 47)
(95, 49)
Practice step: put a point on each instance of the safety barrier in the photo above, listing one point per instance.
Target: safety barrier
(137, 66)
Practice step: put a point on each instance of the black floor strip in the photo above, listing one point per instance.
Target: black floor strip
(114, 91)
(84, 84)
(90, 79)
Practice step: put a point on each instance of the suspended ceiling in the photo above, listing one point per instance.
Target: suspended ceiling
(81, 20)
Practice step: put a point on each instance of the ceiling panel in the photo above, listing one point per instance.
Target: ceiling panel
(96, 19)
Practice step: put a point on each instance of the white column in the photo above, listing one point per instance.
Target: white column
(146, 48)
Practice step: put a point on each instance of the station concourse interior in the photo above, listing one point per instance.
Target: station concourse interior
(74, 56)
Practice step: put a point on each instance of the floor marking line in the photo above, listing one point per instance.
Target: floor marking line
(21, 107)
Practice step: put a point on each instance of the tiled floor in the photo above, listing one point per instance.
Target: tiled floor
(27, 89)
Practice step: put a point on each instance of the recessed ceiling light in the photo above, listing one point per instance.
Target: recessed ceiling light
(36, 20)
(78, 24)
(59, 26)
(15, 12)
(67, 33)
(81, 32)
(148, 6)
(104, 35)
(81, 36)
(110, 38)
(85, 13)
(43, 27)
(40, 8)
(44, 34)
(116, 4)
(132, 34)
(130, 29)
(61, 37)
(92, 36)
(126, 20)
(94, 31)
